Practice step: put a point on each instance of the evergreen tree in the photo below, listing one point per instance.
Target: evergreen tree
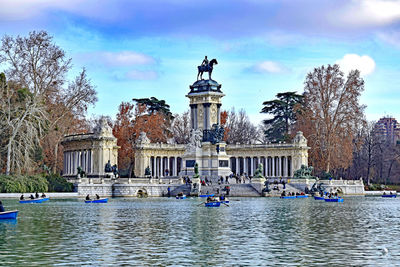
(282, 109)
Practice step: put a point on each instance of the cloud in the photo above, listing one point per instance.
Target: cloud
(371, 12)
(226, 20)
(141, 75)
(365, 64)
(268, 67)
(118, 59)
(390, 37)
(125, 58)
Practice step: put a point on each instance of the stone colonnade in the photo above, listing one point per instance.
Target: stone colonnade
(273, 166)
(75, 159)
(165, 166)
(162, 159)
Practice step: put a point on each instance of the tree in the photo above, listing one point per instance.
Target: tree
(37, 64)
(22, 123)
(331, 115)
(284, 115)
(123, 130)
(155, 105)
(181, 128)
(240, 129)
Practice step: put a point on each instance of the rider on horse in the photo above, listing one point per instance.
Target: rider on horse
(205, 61)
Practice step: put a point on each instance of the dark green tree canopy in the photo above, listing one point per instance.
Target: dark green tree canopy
(283, 113)
(155, 105)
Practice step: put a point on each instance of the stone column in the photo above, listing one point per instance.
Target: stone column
(285, 173)
(196, 125)
(219, 113)
(237, 165)
(245, 165)
(162, 167)
(192, 116)
(251, 166)
(273, 166)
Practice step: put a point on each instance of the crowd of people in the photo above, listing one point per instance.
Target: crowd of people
(36, 196)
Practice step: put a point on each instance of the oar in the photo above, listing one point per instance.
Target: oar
(201, 204)
(225, 204)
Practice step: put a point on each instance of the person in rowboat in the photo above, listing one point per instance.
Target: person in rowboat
(97, 196)
(88, 197)
(1, 207)
(32, 197)
(36, 195)
(21, 197)
(43, 195)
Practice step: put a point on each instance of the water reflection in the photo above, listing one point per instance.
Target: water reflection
(252, 231)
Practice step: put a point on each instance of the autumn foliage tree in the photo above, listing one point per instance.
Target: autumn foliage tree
(134, 118)
(331, 116)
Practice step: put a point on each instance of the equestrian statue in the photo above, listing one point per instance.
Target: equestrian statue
(206, 66)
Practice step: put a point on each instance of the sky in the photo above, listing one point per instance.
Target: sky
(136, 49)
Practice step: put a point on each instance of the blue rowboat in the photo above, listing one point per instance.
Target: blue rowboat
(287, 197)
(302, 196)
(224, 201)
(333, 199)
(209, 195)
(36, 200)
(12, 214)
(212, 204)
(101, 200)
(180, 197)
(319, 198)
(389, 196)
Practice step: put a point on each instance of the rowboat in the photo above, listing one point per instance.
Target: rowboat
(101, 200)
(36, 200)
(212, 204)
(390, 195)
(287, 197)
(224, 201)
(333, 199)
(209, 195)
(12, 214)
(319, 198)
(302, 196)
(180, 197)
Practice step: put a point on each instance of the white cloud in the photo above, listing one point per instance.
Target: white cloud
(126, 58)
(22, 9)
(269, 67)
(369, 13)
(390, 37)
(141, 75)
(365, 64)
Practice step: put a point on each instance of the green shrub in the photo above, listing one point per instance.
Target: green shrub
(22, 183)
(59, 184)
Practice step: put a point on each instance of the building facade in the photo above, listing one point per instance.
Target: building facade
(388, 129)
(206, 149)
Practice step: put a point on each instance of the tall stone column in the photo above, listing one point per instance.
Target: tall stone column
(245, 169)
(273, 166)
(219, 113)
(237, 165)
(251, 166)
(207, 116)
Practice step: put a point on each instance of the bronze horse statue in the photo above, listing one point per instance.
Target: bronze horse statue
(206, 68)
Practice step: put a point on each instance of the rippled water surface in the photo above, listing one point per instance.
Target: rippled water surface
(170, 232)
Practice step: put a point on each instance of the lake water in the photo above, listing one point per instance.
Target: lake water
(170, 232)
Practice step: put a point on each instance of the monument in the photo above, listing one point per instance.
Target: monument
(206, 147)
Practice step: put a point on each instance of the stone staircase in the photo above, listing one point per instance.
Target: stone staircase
(236, 190)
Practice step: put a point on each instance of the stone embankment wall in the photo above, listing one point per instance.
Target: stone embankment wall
(348, 187)
(132, 187)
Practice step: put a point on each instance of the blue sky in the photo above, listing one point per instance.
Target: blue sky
(135, 49)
